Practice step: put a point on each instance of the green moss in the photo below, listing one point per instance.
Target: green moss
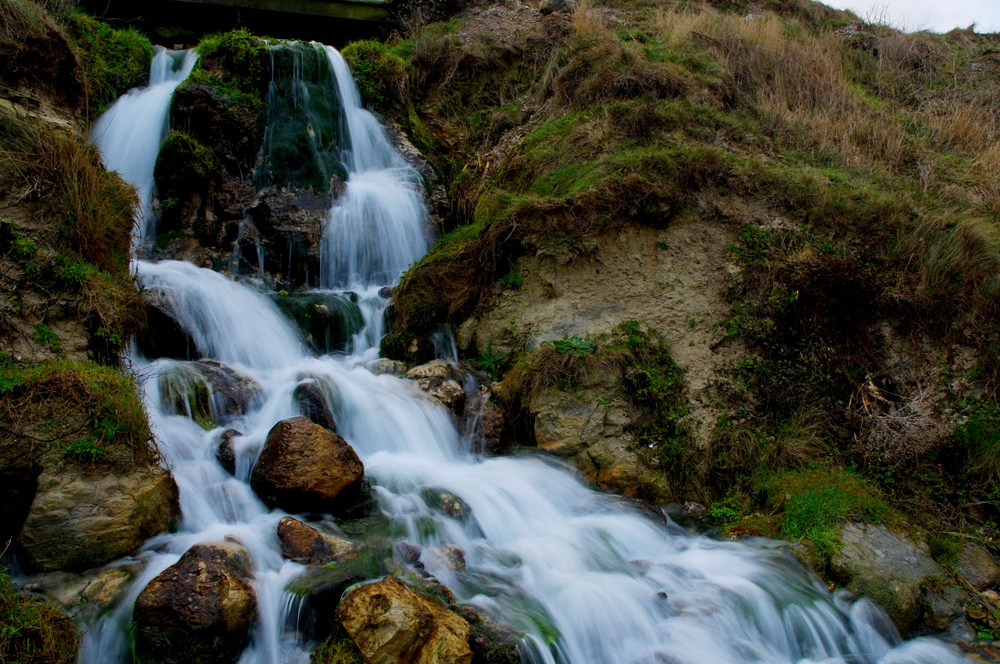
(379, 72)
(814, 503)
(327, 321)
(113, 60)
(186, 392)
(244, 58)
(336, 650)
(303, 144)
(31, 630)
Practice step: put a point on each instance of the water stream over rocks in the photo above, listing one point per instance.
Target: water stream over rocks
(584, 577)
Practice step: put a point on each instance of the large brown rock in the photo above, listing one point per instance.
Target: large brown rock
(199, 609)
(389, 622)
(86, 517)
(304, 544)
(307, 468)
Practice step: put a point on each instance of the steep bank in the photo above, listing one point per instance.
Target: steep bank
(801, 203)
(81, 480)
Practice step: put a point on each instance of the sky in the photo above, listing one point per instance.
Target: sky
(934, 15)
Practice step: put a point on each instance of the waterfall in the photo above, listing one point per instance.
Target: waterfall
(377, 227)
(130, 132)
(584, 578)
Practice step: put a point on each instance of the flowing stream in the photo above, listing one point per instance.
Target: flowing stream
(584, 577)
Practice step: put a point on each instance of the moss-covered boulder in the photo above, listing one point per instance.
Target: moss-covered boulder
(187, 174)
(327, 321)
(207, 391)
(198, 610)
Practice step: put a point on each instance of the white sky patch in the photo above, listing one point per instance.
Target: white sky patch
(934, 15)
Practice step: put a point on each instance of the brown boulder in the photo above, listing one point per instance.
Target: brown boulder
(304, 544)
(977, 567)
(199, 609)
(307, 468)
(389, 622)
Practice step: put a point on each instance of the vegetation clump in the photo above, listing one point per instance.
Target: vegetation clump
(31, 630)
(379, 72)
(113, 60)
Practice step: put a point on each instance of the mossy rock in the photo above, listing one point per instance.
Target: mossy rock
(303, 144)
(326, 320)
(113, 60)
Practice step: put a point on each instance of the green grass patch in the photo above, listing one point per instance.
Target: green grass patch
(379, 72)
(814, 503)
(33, 631)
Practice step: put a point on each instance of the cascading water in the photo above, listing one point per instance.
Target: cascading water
(130, 132)
(584, 578)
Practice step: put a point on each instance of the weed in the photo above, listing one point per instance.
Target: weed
(574, 346)
(490, 362)
(336, 650)
(44, 336)
(814, 503)
(511, 280)
(84, 450)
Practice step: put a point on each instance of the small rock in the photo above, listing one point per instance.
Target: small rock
(454, 557)
(307, 468)
(315, 398)
(440, 381)
(389, 622)
(198, 610)
(387, 366)
(551, 6)
(941, 607)
(977, 567)
(408, 552)
(225, 454)
(304, 544)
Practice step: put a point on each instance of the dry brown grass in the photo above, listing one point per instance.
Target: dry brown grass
(896, 433)
(90, 208)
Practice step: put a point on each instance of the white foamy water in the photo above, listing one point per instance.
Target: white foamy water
(378, 226)
(584, 578)
(129, 134)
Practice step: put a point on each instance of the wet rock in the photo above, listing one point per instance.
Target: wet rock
(551, 6)
(940, 606)
(315, 398)
(977, 567)
(291, 232)
(327, 321)
(387, 366)
(199, 609)
(440, 380)
(307, 468)
(889, 569)
(322, 587)
(389, 622)
(163, 335)
(490, 426)
(491, 642)
(86, 595)
(83, 518)
(207, 391)
(304, 544)
(225, 454)
(447, 503)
